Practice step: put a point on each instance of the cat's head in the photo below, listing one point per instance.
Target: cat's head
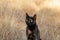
(30, 20)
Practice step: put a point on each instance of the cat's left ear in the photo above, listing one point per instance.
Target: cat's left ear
(27, 15)
(34, 16)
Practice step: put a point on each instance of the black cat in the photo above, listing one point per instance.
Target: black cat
(32, 31)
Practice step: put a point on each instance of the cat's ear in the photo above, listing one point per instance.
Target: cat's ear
(34, 16)
(27, 15)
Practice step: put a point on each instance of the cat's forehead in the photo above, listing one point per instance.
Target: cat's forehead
(30, 17)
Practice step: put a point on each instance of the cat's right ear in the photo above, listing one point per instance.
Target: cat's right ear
(34, 16)
(27, 15)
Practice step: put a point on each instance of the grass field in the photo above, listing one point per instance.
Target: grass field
(12, 19)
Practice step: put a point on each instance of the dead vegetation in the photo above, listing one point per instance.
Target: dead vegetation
(12, 21)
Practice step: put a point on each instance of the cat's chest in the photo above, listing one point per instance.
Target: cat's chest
(29, 31)
(32, 28)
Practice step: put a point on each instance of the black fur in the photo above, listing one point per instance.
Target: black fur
(32, 31)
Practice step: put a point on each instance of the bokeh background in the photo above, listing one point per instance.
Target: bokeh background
(12, 18)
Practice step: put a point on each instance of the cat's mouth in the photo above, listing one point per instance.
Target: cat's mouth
(30, 24)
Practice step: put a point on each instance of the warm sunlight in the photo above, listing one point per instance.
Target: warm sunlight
(53, 3)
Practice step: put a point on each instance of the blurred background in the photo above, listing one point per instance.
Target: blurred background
(12, 18)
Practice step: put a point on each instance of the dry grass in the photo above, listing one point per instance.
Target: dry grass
(12, 20)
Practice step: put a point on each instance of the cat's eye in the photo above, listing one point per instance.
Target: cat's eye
(31, 20)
